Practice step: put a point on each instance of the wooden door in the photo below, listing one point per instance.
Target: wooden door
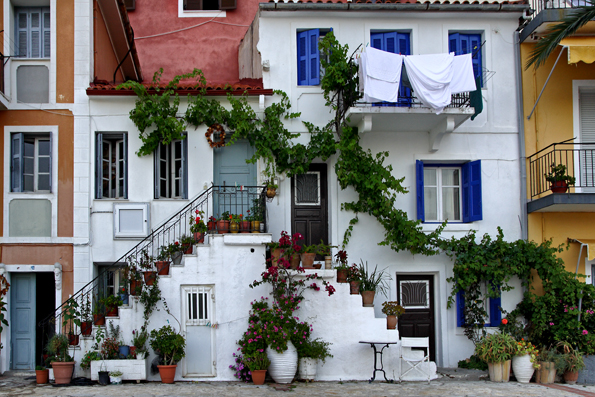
(22, 327)
(309, 205)
(416, 294)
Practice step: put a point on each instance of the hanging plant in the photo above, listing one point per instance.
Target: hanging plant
(221, 141)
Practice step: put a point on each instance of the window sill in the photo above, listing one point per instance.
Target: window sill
(201, 13)
(450, 227)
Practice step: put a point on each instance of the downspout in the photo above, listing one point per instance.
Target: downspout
(521, 126)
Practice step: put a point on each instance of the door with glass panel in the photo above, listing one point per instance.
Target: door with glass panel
(416, 294)
(199, 326)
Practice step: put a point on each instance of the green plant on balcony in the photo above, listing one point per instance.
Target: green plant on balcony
(558, 174)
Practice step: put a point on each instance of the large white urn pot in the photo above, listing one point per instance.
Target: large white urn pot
(522, 368)
(283, 364)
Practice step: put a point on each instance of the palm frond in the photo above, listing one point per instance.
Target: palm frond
(566, 27)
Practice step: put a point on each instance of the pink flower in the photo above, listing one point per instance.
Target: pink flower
(585, 332)
(551, 323)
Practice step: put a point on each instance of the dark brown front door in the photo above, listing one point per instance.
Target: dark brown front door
(416, 294)
(309, 205)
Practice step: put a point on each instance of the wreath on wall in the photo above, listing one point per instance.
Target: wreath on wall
(221, 141)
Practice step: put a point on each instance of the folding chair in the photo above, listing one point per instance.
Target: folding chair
(415, 358)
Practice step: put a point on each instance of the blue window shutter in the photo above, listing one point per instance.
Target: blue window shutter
(184, 179)
(156, 157)
(46, 32)
(472, 205)
(376, 39)
(313, 57)
(390, 42)
(495, 313)
(302, 52)
(475, 44)
(460, 308)
(404, 49)
(404, 44)
(464, 45)
(125, 155)
(454, 43)
(419, 179)
(98, 165)
(16, 172)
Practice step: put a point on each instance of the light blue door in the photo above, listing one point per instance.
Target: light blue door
(22, 326)
(230, 173)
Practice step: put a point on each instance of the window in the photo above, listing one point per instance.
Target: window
(111, 165)
(308, 58)
(448, 192)
(111, 280)
(131, 220)
(171, 170)
(396, 43)
(491, 306)
(197, 305)
(32, 32)
(209, 5)
(31, 162)
(465, 43)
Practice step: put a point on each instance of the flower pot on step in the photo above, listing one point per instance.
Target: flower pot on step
(391, 322)
(354, 287)
(245, 226)
(111, 311)
(63, 372)
(258, 376)
(294, 261)
(124, 351)
(307, 368)
(73, 340)
(199, 238)
(499, 372)
(570, 377)
(368, 298)
(275, 255)
(522, 368)
(234, 227)
(223, 227)
(546, 373)
(124, 298)
(255, 226)
(135, 287)
(42, 376)
(167, 373)
(86, 328)
(162, 268)
(342, 275)
(150, 277)
(212, 227)
(99, 319)
(176, 258)
(328, 262)
(308, 260)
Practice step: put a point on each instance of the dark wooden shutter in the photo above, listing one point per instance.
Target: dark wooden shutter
(193, 4)
(227, 4)
(16, 169)
(419, 179)
(472, 203)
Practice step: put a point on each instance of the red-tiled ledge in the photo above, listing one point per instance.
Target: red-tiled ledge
(251, 87)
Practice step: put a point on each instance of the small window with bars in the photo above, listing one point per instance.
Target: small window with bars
(307, 188)
(198, 305)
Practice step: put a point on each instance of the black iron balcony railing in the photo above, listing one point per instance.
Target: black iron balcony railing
(540, 5)
(410, 101)
(217, 201)
(578, 158)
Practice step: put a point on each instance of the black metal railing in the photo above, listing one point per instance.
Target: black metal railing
(217, 201)
(578, 158)
(540, 5)
(411, 101)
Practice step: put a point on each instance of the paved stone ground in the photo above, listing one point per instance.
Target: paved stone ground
(24, 384)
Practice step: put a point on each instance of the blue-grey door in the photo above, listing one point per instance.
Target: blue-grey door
(22, 325)
(231, 172)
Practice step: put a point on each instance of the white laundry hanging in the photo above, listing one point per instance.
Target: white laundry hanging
(463, 79)
(385, 88)
(430, 77)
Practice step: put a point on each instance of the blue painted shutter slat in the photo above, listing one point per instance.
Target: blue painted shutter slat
(125, 156)
(472, 203)
(302, 55)
(390, 42)
(35, 33)
(376, 40)
(22, 34)
(495, 313)
(460, 298)
(419, 179)
(16, 174)
(98, 165)
(46, 31)
(404, 49)
(184, 179)
(313, 57)
(156, 157)
(454, 43)
(475, 43)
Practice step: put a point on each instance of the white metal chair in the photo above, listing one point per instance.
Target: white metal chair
(415, 358)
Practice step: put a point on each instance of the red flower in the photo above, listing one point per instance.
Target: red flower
(196, 212)
(176, 243)
(241, 215)
(504, 321)
(197, 219)
(230, 217)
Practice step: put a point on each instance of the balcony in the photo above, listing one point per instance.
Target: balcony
(547, 12)
(410, 115)
(579, 159)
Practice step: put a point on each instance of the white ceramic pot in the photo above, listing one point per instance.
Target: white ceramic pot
(307, 368)
(522, 368)
(115, 380)
(283, 365)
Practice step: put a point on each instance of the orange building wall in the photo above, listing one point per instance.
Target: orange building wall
(43, 254)
(65, 51)
(65, 164)
(104, 59)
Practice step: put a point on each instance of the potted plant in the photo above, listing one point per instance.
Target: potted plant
(258, 363)
(497, 349)
(393, 311)
(354, 278)
(111, 304)
(325, 250)
(62, 363)
(286, 248)
(310, 352)
(89, 356)
(123, 293)
(42, 374)
(162, 262)
(256, 216)
(569, 362)
(115, 377)
(342, 266)
(525, 361)
(245, 222)
(546, 373)
(98, 311)
(134, 278)
(223, 223)
(198, 227)
(212, 224)
(176, 251)
(146, 263)
(308, 255)
(372, 282)
(139, 340)
(86, 317)
(558, 179)
(70, 318)
(170, 346)
(234, 222)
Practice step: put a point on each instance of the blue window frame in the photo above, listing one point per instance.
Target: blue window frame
(396, 43)
(450, 192)
(493, 309)
(468, 43)
(308, 56)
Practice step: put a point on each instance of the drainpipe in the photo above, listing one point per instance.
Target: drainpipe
(521, 126)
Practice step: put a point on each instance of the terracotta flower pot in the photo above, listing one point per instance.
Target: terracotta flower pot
(294, 261)
(199, 238)
(111, 311)
(133, 351)
(223, 227)
(342, 275)
(354, 287)
(42, 376)
(271, 192)
(245, 226)
(167, 373)
(99, 319)
(135, 286)
(368, 298)
(391, 322)
(212, 226)
(275, 255)
(73, 340)
(559, 186)
(258, 376)
(162, 268)
(63, 372)
(308, 260)
(150, 277)
(86, 328)
(570, 377)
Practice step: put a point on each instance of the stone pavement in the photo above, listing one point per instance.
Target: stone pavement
(21, 384)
